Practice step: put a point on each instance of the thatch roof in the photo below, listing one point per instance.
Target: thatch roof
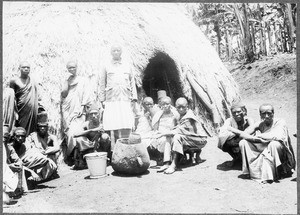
(49, 34)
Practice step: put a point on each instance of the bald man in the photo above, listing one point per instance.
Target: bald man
(267, 153)
(188, 134)
(76, 97)
(229, 135)
(26, 95)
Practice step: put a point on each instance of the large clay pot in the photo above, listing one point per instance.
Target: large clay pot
(130, 156)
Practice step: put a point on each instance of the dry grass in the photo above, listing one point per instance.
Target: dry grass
(49, 34)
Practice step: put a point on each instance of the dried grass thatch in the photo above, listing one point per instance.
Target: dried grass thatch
(49, 34)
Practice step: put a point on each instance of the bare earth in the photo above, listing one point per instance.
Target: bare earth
(209, 187)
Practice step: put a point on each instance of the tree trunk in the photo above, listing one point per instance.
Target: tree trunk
(276, 39)
(230, 44)
(269, 38)
(291, 26)
(284, 42)
(217, 30)
(261, 33)
(248, 41)
(242, 17)
(253, 36)
(227, 43)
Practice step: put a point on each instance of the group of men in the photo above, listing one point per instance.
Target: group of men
(264, 147)
(94, 124)
(168, 132)
(29, 150)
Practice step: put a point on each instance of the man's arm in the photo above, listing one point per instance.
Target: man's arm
(86, 132)
(252, 128)
(278, 132)
(102, 85)
(52, 149)
(133, 87)
(65, 89)
(12, 83)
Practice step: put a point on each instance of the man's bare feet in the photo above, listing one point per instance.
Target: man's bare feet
(34, 177)
(170, 170)
(199, 160)
(163, 168)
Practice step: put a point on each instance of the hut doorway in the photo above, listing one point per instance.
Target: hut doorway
(161, 74)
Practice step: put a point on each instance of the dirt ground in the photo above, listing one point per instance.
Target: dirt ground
(209, 187)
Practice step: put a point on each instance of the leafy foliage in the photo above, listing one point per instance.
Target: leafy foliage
(247, 31)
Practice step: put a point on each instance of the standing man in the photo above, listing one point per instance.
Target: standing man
(229, 136)
(26, 95)
(76, 96)
(118, 95)
(267, 154)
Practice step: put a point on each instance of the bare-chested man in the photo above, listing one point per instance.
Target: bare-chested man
(26, 94)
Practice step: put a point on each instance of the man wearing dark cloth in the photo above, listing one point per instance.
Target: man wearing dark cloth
(10, 114)
(26, 94)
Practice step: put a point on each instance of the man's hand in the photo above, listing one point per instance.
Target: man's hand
(34, 176)
(99, 128)
(81, 111)
(257, 139)
(52, 164)
(15, 167)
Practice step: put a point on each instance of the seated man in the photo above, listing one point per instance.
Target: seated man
(38, 165)
(12, 169)
(163, 122)
(229, 137)
(188, 134)
(46, 143)
(144, 126)
(10, 180)
(91, 138)
(267, 155)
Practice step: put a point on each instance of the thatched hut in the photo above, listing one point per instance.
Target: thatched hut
(168, 51)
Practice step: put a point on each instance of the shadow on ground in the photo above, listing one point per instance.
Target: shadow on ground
(226, 166)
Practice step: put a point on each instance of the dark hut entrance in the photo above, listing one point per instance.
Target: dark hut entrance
(161, 74)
